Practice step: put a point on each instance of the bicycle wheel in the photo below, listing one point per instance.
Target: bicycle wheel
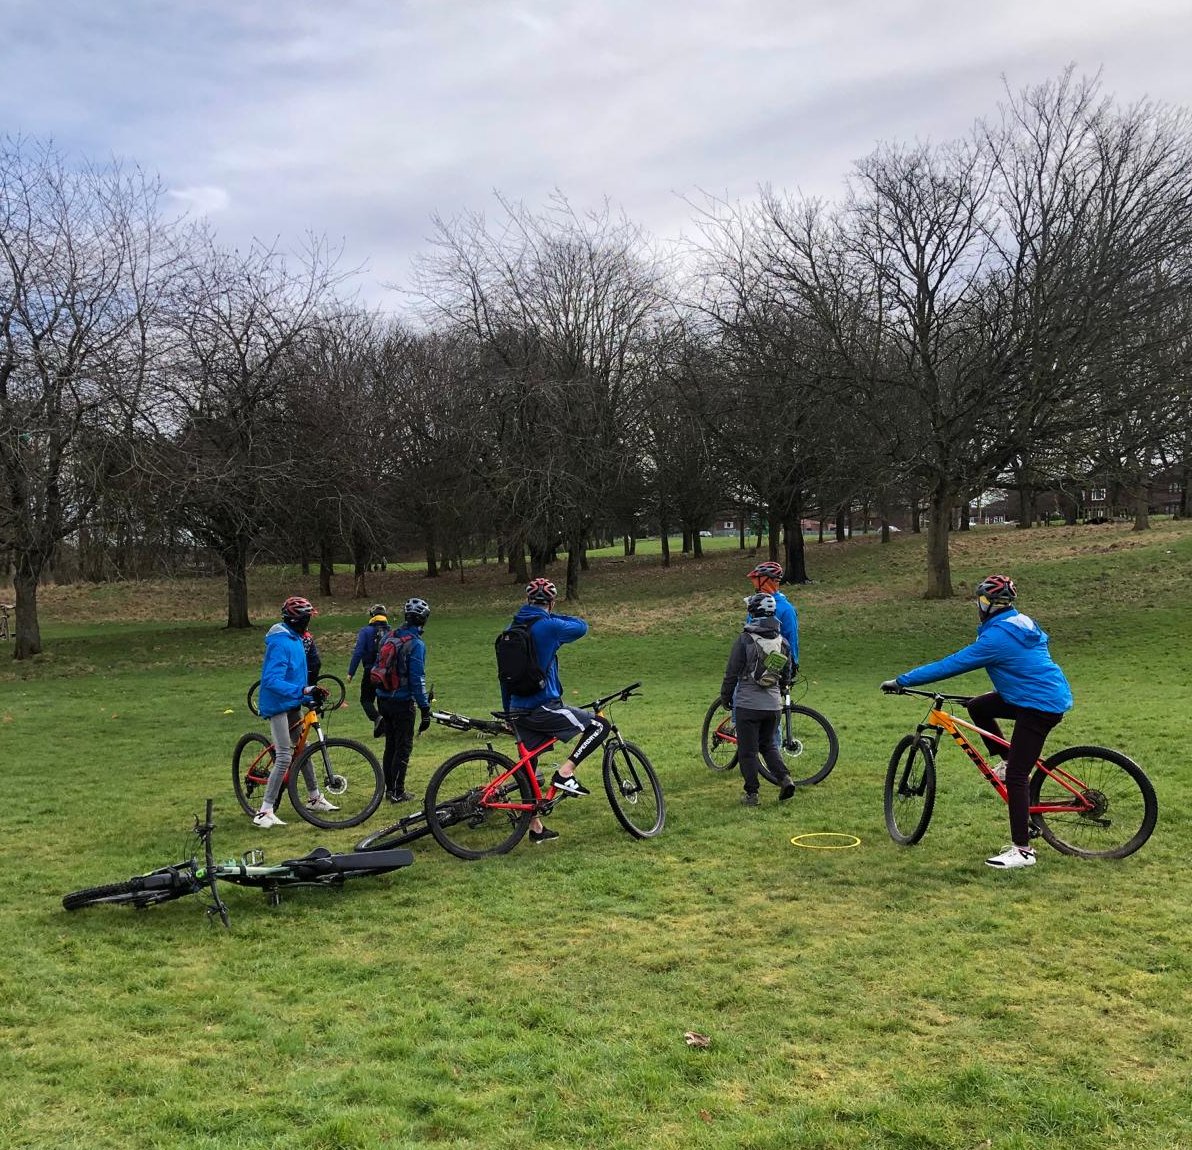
(633, 790)
(718, 739)
(252, 760)
(909, 796)
(251, 697)
(1122, 808)
(460, 822)
(397, 834)
(147, 890)
(336, 690)
(808, 744)
(348, 775)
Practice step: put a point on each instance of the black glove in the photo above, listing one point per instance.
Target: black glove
(425, 724)
(727, 704)
(317, 697)
(891, 687)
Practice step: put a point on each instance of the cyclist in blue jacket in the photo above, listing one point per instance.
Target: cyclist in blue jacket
(1029, 688)
(765, 578)
(545, 712)
(396, 707)
(284, 688)
(364, 654)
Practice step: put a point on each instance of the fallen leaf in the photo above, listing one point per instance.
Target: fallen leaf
(693, 1038)
(229, 711)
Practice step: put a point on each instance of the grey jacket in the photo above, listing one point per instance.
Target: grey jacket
(738, 685)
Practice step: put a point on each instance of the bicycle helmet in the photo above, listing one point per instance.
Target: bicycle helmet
(541, 591)
(379, 609)
(995, 593)
(297, 611)
(767, 570)
(761, 606)
(416, 611)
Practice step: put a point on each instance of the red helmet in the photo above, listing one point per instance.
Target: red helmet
(541, 591)
(767, 570)
(994, 593)
(297, 610)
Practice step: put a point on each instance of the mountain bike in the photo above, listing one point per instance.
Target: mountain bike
(481, 803)
(414, 826)
(200, 873)
(1087, 801)
(346, 771)
(335, 687)
(807, 741)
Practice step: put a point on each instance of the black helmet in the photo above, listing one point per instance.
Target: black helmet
(995, 593)
(761, 606)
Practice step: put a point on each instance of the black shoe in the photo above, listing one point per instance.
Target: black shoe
(749, 800)
(401, 797)
(786, 789)
(546, 835)
(569, 785)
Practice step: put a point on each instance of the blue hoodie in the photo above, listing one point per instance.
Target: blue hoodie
(1012, 647)
(548, 635)
(283, 671)
(414, 683)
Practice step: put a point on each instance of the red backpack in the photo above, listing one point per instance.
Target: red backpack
(391, 670)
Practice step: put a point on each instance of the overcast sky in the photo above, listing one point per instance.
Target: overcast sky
(356, 119)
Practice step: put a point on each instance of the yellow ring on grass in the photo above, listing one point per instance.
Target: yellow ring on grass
(798, 841)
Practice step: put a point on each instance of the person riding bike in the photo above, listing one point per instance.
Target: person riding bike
(284, 688)
(752, 689)
(1029, 687)
(396, 707)
(544, 713)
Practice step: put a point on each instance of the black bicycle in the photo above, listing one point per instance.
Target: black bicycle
(414, 826)
(201, 873)
(335, 687)
(807, 741)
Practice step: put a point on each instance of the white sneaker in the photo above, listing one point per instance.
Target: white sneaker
(999, 770)
(1012, 857)
(266, 819)
(319, 803)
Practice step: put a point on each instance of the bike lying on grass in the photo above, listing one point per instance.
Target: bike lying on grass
(1086, 801)
(807, 741)
(201, 873)
(347, 772)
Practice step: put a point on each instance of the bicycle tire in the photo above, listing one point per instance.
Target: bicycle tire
(347, 773)
(406, 830)
(1120, 791)
(633, 790)
(250, 775)
(251, 697)
(718, 754)
(462, 826)
(336, 689)
(134, 892)
(802, 745)
(908, 798)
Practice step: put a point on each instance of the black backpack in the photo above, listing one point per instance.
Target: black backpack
(517, 661)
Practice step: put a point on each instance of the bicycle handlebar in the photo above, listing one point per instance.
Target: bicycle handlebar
(204, 832)
(621, 695)
(934, 695)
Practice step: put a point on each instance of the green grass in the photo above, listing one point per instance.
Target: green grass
(878, 997)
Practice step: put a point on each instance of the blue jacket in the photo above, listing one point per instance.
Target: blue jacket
(1012, 647)
(414, 681)
(283, 671)
(549, 632)
(788, 622)
(368, 642)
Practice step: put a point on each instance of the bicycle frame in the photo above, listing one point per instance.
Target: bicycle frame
(940, 721)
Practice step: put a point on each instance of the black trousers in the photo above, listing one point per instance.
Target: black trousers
(368, 695)
(755, 740)
(1031, 729)
(399, 741)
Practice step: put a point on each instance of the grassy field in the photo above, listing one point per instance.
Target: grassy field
(878, 997)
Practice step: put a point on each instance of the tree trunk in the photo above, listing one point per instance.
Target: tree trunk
(1142, 499)
(574, 553)
(939, 571)
(966, 513)
(236, 565)
(664, 537)
(840, 536)
(28, 631)
(326, 567)
(795, 567)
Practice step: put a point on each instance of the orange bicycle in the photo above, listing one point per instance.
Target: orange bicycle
(346, 771)
(1085, 801)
